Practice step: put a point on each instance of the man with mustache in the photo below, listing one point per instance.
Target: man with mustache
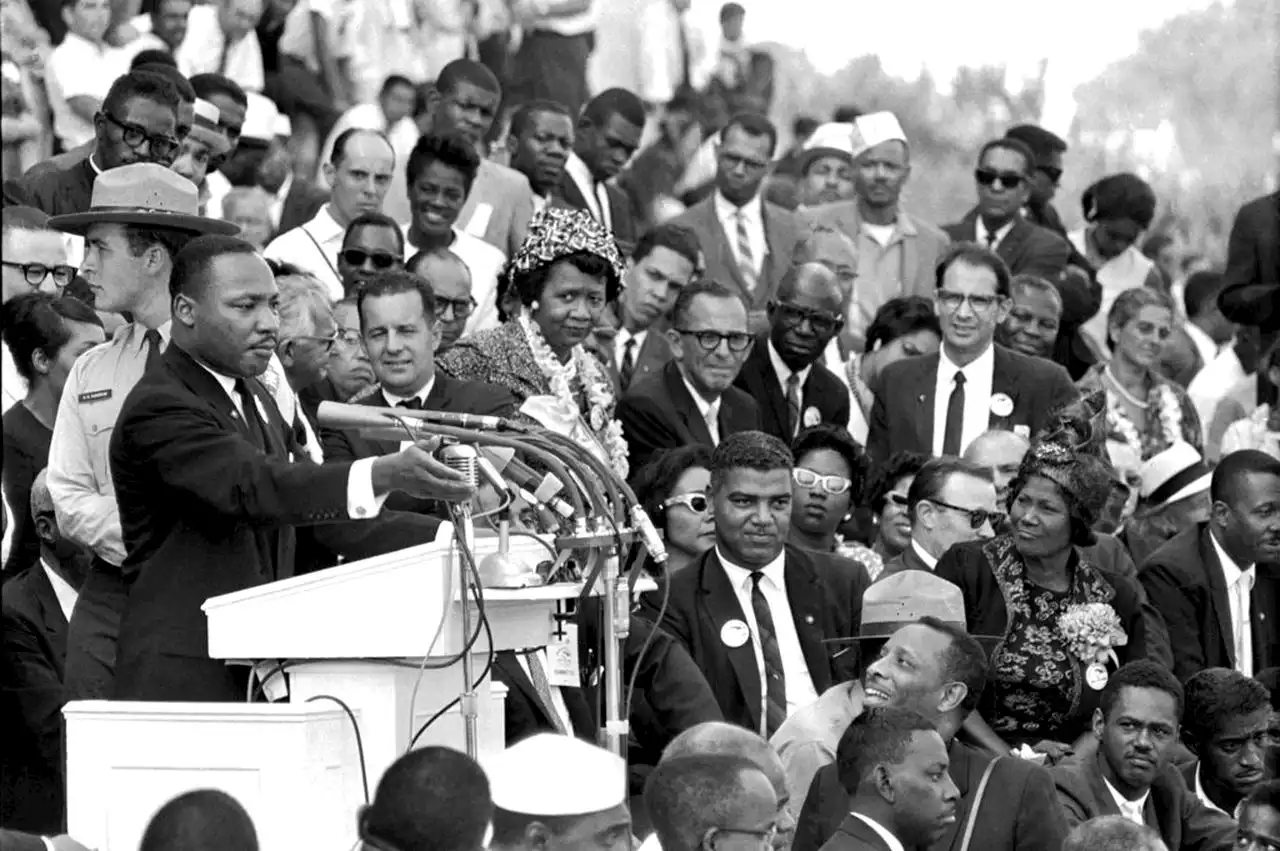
(1228, 720)
(1130, 774)
(1220, 608)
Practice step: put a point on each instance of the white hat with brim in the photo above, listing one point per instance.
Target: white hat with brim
(553, 775)
(1174, 474)
(876, 128)
(834, 139)
(144, 194)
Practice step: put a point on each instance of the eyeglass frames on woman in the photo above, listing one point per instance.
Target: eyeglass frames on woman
(1008, 179)
(161, 147)
(977, 516)
(35, 273)
(834, 485)
(382, 260)
(710, 340)
(695, 502)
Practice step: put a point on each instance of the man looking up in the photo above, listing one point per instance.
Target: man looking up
(608, 135)
(1228, 717)
(950, 501)
(540, 140)
(359, 171)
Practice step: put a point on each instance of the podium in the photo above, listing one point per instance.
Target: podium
(359, 632)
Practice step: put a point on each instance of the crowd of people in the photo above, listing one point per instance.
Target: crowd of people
(972, 530)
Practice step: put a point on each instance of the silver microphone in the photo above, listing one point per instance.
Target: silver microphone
(461, 457)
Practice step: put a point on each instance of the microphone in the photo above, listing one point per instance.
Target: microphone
(378, 423)
(460, 457)
(449, 418)
(536, 488)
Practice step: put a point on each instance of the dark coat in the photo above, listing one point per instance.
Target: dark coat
(14, 840)
(204, 512)
(902, 416)
(854, 834)
(821, 390)
(826, 603)
(908, 559)
(523, 712)
(1184, 581)
(35, 650)
(1172, 810)
(625, 229)
(658, 413)
(1019, 810)
(1027, 249)
(301, 205)
(59, 191)
(1250, 293)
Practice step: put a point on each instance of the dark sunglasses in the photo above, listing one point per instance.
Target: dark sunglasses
(820, 321)
(382, 260)
(1008, 179)
(1054, 174)
(134, 135)
(35, 273)
(977, 516)
(710, 340)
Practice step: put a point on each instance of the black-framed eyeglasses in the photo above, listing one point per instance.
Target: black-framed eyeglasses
(1054, 174)
(766, 836)
(834, 485)
(980, 302)
(978, 517)
(382, 260)
(695, 502)
(461, 307)
(161, 146)
(820, 321)
(1008, 179)
(350, 337)
(710, 340)
(35, 273)
(898, 499)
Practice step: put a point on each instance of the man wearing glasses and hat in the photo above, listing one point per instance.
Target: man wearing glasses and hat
(929, 664)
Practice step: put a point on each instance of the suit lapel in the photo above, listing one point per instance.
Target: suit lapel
(1010, 248)
(720, 606)
(767, 390)
(52, 618)
(723, 249)
(922, 396)
(1218, 591)
(966, 772)
(805, 594)
(515, 675)
(685, 405)
(1003, 380)
(200, 382)
(1098, 786)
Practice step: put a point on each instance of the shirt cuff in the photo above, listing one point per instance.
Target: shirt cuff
(48, 843)
(362, 503)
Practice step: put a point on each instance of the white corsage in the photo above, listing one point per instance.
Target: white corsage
(1093, 631)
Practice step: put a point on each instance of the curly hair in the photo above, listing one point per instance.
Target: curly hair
(750, 450)
(653, 483)
(839, 441)
(1215, 697)
(529, 285)
(888, 474)
(1142, 674)
(900, 316)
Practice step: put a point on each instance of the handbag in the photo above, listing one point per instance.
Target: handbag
(977, 804)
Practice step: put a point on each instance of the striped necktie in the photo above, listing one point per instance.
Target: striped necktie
(746, 260)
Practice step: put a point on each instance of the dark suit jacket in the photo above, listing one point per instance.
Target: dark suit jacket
(1172, 810)
(902, 416)
(26, 453)
(826, 603)
(908, 559)
(781, 232)
(625, 230)
(1027, 249)
(13, 840)
(658, 413)
(35, 649)
(854, 834)
(654, 352)
(1184, 581)
(301, 204)
(1019, 810)
(205, 512)
(523, 711)
(821, 390)
(1250, 291)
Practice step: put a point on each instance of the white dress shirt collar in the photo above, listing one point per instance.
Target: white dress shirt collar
(226, 382)
(620, 343)
(753, 210)
(62, 590)
(784, 372)
(1231, 571)
(740, 577)
(394, 399)
(323, 227)
(1204, 797)
(1204, 344)
(587, 186)
(979, 375)
(889, 839)
(709, 411)
(924, 555)
(980, 231)
(1129, 809)
(983, 364)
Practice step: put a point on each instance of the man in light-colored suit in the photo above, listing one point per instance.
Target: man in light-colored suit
(746, 241)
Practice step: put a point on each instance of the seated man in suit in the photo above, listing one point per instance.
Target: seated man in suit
(753, 612)
(1204, 580)
(937, 404)
(1228, 720)
(784, 371)
(950, 501)
(747, 241)
(663, 264)
(1130, 774)
(37, 609)
(692, 399)
(608, 135)
(692, 797)
(892, 760)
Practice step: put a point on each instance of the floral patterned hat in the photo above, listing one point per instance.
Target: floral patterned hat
(1071, 453)
(557, 232)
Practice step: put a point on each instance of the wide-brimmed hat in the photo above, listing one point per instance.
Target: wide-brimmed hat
(143, 194)
(834, 139)
(900, 599)
(1176, 473)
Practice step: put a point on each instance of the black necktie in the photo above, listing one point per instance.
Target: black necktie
(252, 419)
(991, 240)
(155, 348)
(774, 677)
(628, 367)
(414, 404)
(955, 418)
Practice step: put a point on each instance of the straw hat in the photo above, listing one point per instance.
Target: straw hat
(1176, 473)
(143, 194)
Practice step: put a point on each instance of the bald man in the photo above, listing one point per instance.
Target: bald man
(784, 372)
(1000, 452)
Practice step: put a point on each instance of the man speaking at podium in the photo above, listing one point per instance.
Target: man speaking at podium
(211, 485)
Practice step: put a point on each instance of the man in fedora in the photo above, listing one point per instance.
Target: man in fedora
(139, 217)
(929, 664)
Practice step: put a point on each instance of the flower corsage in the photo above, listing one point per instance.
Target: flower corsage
(1093, 631)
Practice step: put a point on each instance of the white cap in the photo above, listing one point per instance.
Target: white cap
(260, 118)
(834, 137)
(1176, 473)
(875, 128)
(554, 775)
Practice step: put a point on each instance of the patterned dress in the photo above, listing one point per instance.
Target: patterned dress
(1172, 416)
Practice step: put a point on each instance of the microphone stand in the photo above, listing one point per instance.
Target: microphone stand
(463, 457)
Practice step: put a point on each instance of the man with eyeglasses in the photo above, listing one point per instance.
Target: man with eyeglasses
(950, 501)
(373, 243)
(1136, 724)
(693, 801)
(938, 404)
(1048, 149)
(308, 332)
(1004, 178)
(692, 399)
(784, 372)
(1259, 828)
(451, 280)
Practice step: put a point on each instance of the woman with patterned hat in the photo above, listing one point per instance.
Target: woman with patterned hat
(564, 274)
(1066, 625)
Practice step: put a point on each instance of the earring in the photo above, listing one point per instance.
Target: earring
(533, 306)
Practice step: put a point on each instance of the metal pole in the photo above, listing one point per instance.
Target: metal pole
(617, 625)
(467, 700)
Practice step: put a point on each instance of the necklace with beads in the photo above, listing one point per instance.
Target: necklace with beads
(1120, 388)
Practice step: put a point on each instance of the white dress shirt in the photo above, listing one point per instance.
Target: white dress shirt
(313, 247)
(1132, 810)
(595, 194)
(1239, 591)
(394, 399)
(201, 51)
(709, 411)
(800, 690)
(978, 376)
(1205, 345)
(557, 697)
(753, 211)
(980, 232)
(651, 844)
(536, 15)
(620, 344)
(13, 387)
(80, 68)
(1213, 383)
(1204, 798)
(889, 839)
(62, 590)
(924, 555)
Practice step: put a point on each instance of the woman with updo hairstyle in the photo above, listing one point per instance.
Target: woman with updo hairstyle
(889, 516)
(45, 334)
(1019, 585)
(1117, 210)
(1145, 410)
(672, 489)
(904, 327)
(566, 271)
